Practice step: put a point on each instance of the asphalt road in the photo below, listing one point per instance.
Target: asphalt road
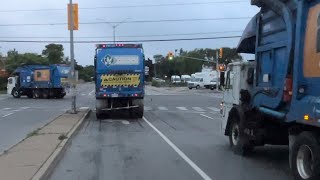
(19, 117)
(179, 138)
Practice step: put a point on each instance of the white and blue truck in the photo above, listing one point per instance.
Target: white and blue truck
(275, 98)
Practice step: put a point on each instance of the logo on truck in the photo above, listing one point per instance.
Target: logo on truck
(108, 60)
(120, 80)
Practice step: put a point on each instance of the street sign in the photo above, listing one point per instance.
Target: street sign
(75, 15)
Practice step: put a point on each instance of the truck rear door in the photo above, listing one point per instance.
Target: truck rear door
(120, 72)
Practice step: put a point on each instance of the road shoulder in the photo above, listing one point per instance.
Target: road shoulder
(35, 157)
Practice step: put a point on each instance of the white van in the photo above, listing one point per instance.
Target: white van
(185, 78)
(175, 79)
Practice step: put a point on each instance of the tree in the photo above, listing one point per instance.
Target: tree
(184, 64)
(54, 53)
(16, 60)
(158, 58)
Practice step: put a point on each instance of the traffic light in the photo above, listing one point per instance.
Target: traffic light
(170, 55)
(221, 53)
(222, 67)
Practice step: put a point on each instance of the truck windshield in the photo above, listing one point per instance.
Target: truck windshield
(64, 70)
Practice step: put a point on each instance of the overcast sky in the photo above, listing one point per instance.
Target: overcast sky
(84, 52)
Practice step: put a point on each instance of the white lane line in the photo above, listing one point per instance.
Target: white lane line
(163, 108)
(84, 108)
(180, 153)
(24, 108)
(91, 93)
(206, 116)
(182, 108)
(214, 109)
(7, 115)
(198, 109)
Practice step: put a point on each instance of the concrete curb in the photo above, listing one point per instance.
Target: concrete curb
(47, 168)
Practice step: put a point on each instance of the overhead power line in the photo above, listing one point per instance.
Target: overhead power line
(129, 6)
(131, 36)
(127, 22)
(123, 41)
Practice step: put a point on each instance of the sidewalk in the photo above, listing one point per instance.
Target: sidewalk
(33, 157)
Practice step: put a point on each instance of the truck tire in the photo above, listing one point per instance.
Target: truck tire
(305, 157)
(36, 94)
(16, 93)
(190, 88)
(239, 143)
(99, 115)
(137, 112)
(197, 87)
(101, 104)
(30, 95)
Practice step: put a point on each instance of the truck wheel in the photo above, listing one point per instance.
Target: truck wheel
(30, 95)
(197, 87)
(36, 94)
(305, 157)
(16, 93)
(190, 88)
(99, 115)
(238, 142)
(137, 112)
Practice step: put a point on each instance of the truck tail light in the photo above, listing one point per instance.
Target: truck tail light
(287, 91)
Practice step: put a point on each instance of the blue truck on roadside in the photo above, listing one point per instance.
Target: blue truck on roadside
(275, 99)
(119, 79)
(39, 81)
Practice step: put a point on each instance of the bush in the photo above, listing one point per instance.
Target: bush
(155, 83)
(3, 83)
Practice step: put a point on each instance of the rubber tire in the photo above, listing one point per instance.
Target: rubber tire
(309, 139)
(36, 94)
(243, 147)
(30, 96)
(197, 87)
(16, 93)
(99, 115)
(190, 88)
(137, 112)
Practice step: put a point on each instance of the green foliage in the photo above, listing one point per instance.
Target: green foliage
(85, 73)
(16, 60)
(54, 53)
(155, 83)
(3, 83)
(182, 64)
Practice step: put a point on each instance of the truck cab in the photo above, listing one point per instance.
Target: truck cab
(119, 79)
(11, 84)
(277, 102)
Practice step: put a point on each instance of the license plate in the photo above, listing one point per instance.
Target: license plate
(114, 95)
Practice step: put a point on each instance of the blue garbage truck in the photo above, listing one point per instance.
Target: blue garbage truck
(39, 81)
(275, 99)
(119, 79)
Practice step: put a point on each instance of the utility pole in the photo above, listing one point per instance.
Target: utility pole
(73, 79)
(114, 34)
(217, 66)
(114, 27)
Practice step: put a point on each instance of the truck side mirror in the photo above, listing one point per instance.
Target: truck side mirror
(250, 76)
